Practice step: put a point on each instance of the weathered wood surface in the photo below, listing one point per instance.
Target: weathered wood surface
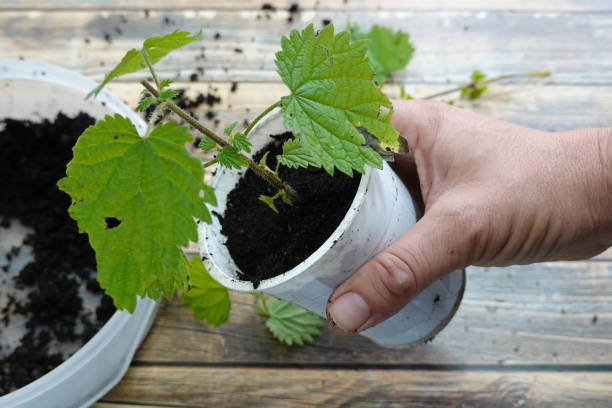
(544, 107)
(537, 335)
(317, 5)
(450, 44)
(270, 387)
(553, 313)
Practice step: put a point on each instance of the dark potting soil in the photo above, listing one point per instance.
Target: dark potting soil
(33, 157)
(265, 244)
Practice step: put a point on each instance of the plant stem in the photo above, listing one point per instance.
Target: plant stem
(542, 74)
(150, 65)
(154, 116)
(210, 163)
(267, 175)
(258, 118)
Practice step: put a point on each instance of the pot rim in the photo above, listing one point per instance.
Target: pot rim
(11, 69)
(247, 286)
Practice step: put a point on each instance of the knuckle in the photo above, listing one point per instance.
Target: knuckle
(432, 119)
(395, 277)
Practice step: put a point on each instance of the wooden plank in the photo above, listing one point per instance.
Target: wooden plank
(564, 5)
(240, 387)
(555, 313)
(549, 108)
(128, 405)
(450, 44)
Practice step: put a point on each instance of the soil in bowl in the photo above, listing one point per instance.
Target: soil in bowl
(50, 302)
(264, 244)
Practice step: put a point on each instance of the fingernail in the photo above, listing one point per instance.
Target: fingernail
(349, 312)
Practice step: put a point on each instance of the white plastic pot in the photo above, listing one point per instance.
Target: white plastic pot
(37, 91)
(381, 212)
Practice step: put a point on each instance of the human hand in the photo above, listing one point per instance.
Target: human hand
(494, 194)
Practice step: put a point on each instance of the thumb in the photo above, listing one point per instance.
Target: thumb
(387, 282)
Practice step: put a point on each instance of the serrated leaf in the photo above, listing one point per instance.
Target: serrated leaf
(155, 47)
(168, 94)
(388, 50)
(209, 195)
(206, 299)
(295, 155)
(476, 88)
(229, 157)
(165, 83)
(240, 142)
(290, 324)
(229, 129)
(206, 143)
(332, 93)
(144, 104)
(153, 188)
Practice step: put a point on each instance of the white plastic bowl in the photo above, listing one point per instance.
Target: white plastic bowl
(381, 212)
(32, 90)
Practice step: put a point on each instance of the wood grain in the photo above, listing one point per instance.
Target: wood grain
(450, 44)
(126, 405)
(539, 107)
(320, 5)
(556, 313)
(240, 387)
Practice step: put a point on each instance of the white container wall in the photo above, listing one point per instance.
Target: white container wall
(37, 91)
(381, 212)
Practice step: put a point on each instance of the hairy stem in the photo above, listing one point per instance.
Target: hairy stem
(540, 74)
(267, 175)
(154, 116)
(247, 131)
(150, 65)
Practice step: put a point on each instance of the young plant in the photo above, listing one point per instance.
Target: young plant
(138, 197)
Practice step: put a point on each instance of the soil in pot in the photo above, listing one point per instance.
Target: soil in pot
(50, 302)
(264, 244)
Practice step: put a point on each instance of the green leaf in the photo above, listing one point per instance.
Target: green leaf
(207, 299)
(290, 324)
(229, 157)
(209, 195)
(263, 162)
(332, 93)
(269, 200)
(165, 83)
(206, 143)
(167, 94)
(228, 130)
(153, 188)
(388, 50)
(241, 142)
(155, 47)
(295, 155)
(476, 88)
(477, 75)
(144, 104)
